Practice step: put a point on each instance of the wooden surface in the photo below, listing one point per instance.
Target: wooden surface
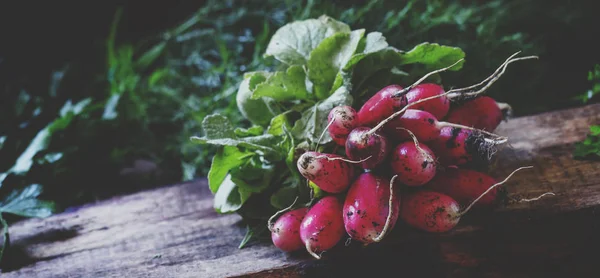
(174, 232)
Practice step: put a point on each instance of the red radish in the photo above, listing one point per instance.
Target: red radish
(457, 146)
(323, 226)
(422, 123)
(367, 215)
(438, 107)
(370, 148)
(414, 164)
(285, 233)
(436, 212)
(381, 105)
(464, 185)
(343, 119)
(430, 211)
(332, 173)
(482, 113)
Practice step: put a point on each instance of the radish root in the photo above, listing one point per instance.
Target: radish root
(421, 150)
(310, 251)
(452, 93)
(348, 241)
(343, 159)
(444, 124)
(386, 227)
(405, 90)
(537, 198)
(490, 189)
(325, 130)
(277, 214)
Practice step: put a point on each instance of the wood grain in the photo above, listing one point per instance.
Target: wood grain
(174, 232)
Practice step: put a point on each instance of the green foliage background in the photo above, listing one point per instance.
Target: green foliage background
(147, 92)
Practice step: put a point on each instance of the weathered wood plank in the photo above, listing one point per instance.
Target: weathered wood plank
(174, 232)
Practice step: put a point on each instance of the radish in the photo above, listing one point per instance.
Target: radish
(457, 146)
(464, 185)
(369, 147)
(438, 106)
(482, 112)
(343, 119)
(323, 226)
(414, 163)
(285, 232)
(331, 173)
(425, 126)
(367, 215)
(436, 212)
(381, 105)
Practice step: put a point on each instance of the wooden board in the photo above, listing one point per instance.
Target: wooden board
(174, 232)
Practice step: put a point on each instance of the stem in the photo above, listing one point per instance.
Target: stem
(310, 251)
(421, 150)
(270, 221)
(443, 124)
(490, 189)
(388, 220)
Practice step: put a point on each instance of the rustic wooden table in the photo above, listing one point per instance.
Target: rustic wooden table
(174, 231)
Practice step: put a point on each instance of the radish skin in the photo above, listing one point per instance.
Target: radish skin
(414, 166)
(366, 208)
(331, 173)
(381, 105)
(464, 185)
(430, 211)
(370, 148)
(285, 232)
(323, 226)
(343, 120)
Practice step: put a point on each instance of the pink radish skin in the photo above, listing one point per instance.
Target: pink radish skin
(380, 106)
(464, 185)
(422, 123)
(411, 165)
(481, 113)
(285, 233)
(430, 211)
(328, 171)
(370, 148)
(346, 119)
(438, 107)
(323, 226)
(457, 146)
(366, 207)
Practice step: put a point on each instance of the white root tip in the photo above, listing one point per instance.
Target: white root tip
(310, 251)
(348, 241)
(388, 220)
(490, 189)
(537, 198)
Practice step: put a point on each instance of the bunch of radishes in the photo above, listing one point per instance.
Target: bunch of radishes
(397, 140)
